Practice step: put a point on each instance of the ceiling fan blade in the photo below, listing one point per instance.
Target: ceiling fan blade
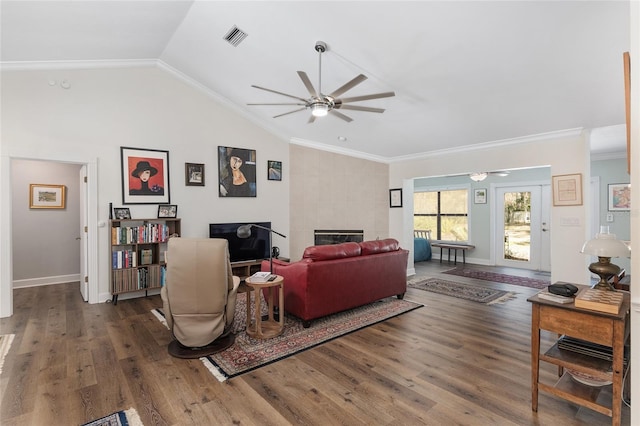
(279, 93)
(354, 82)
(307, 83)
(359, 108)
(290, 112)
(367, 97)
(312, 118)
(341, 115)
(280, 104)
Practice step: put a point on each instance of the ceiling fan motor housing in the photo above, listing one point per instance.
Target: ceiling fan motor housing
(321, 46)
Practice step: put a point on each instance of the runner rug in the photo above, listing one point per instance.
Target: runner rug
(128, 417)
(248, 354)
(471, 292)
(5, 345)
(498, 278)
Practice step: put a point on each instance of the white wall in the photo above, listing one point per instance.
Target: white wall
(135, 107)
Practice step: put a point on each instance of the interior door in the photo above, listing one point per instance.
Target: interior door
(84, 246)
(522, 224)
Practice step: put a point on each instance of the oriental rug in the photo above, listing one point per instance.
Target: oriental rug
(248, 354)
(128, 417)
(475, 293)
(498, 278)
(5, 345)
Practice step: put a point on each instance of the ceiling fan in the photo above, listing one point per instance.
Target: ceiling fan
(320, 104)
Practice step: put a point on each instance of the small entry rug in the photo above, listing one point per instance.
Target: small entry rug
(471, 292)
(247, 353)
(128, 417)
(498, 278)
(5, 345)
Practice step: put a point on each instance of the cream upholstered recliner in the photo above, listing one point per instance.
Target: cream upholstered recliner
(199, 296)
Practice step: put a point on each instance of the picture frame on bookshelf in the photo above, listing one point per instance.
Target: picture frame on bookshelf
(44, 196)
(619, 197)
(194, 174)
(121, 213)
(274, 170)
(167, 211)
(145, 176)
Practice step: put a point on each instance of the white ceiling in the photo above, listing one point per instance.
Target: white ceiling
(463, 72)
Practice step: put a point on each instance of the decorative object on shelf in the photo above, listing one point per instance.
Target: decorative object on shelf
(480, 196)
(193, 174)
(244, 231)
(167, 210)
(567, 190)
(145, 176)
(605, 245)
(274, 170)
(236, 172)
(44, 196)
(619, 197)
(395, 197)
(122, 213)
(599, 300)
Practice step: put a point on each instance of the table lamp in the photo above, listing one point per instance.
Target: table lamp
(244, 231)
(605, 246)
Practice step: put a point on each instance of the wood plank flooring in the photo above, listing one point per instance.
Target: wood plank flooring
(452, 362)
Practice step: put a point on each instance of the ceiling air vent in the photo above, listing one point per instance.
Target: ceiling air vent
(235, 36)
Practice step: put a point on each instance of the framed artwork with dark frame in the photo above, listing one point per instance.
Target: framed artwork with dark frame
(167, 210)
(567, 190)
(480, 196)
(274, 170)
(395, 197)
(121, 213)
(193, 174)
(44, 196)
(236, 172)
(619, 197)
(145, 176)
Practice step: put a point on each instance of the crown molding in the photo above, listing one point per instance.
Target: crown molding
(76, 65)
(339, 150)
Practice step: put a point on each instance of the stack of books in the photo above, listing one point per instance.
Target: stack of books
(262, 277)
(546, 295)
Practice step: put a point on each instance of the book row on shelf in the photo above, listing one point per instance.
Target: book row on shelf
(147, 233)
(152, 276)
(122, 259)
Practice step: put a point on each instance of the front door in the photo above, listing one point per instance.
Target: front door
(522, 224)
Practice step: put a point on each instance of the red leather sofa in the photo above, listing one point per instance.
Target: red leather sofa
(337, 277)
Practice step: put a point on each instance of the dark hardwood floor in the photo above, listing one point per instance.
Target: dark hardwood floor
(452, 362)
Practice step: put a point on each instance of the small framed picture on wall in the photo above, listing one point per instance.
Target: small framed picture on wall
(395, 197)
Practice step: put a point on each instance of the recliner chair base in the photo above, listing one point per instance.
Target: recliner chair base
(179, 351)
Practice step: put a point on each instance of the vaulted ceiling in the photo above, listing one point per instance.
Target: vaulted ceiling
(463, 73)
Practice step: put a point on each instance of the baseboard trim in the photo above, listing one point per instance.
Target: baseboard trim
(36, 282)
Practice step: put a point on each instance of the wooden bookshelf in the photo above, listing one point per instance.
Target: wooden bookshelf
(138, 248)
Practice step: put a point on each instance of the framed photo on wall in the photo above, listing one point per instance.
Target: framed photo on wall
(193, 174)
(274, 170)
(145, 176)
(480, 196)
(619, 197)
(42, 196)
(236, 172)
(395, 197)
(567, 190)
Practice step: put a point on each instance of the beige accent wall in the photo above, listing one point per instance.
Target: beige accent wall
(334, 191)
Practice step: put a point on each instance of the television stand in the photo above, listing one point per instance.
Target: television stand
(245, 268)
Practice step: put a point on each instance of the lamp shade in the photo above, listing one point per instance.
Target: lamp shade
(606, 245)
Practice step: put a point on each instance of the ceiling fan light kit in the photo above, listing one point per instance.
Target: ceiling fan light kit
(320, 104)
(478, 177)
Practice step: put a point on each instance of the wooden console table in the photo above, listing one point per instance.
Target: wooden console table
(598, 327)
(455, 248)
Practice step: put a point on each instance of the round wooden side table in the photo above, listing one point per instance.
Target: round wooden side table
(270, 327)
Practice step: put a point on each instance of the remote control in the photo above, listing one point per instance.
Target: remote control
(272, 277)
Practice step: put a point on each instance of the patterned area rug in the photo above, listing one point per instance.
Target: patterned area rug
(471, 292)
(128, 417)
(247, 353)
(5, 345)
(498, 278)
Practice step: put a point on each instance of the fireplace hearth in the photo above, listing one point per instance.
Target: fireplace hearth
(336, 236)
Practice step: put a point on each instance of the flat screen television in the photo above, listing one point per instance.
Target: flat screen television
(256, 247)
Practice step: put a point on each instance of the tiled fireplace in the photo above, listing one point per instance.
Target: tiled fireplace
(336, 236)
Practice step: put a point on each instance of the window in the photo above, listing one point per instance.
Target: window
(445, 213)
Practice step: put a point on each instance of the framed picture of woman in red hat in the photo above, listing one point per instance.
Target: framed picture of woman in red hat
(145, 176)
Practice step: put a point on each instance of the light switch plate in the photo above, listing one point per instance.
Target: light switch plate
(609, 217)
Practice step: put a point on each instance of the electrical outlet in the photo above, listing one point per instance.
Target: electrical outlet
(609, 217)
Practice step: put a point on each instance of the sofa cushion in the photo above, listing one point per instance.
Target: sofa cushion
(379, 246)
(332, 251)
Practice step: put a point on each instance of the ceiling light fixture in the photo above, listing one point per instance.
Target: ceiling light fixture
(319, 109)
(478, 177)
